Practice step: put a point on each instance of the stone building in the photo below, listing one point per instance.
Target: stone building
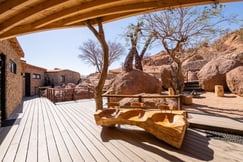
(19, 79)
(62, 76)
(34, 78)
(11, 77)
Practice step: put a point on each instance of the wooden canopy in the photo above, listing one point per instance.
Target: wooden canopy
(19, 17)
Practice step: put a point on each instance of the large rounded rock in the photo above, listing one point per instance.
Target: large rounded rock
(193, 65)
(166, 76)
(214, 73)
(191, 68)
(135, 82)
(163, 60)
(159, 59)
(83, 93)
(191, 76)
(83, 90)
(234, 80)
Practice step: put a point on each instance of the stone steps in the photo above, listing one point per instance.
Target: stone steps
(192, 85)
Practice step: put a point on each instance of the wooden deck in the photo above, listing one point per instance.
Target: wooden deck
(67, 132)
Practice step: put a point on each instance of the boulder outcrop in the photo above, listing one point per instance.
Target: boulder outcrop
(135, 82)
(161, 58)
(166, 76)
(234, 80)
(191, 75)
(193, 65)
(191, 68)
(214, 73)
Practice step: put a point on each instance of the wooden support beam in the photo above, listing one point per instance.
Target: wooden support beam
(7, 6)
(27, 14)
(83, 7)
(145, 6)
(19, 17)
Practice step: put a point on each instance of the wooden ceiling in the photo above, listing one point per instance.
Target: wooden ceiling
(19, 17)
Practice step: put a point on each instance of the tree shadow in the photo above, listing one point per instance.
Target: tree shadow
(229, 96)
(216, 112)
(195, 144)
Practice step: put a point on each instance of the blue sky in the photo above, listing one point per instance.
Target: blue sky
(60, 48)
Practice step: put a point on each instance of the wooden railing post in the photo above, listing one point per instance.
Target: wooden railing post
(53, 95)
(140, 98)
(179, 102)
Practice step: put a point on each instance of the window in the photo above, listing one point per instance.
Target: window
(12, 66)
(62, 79)
(36, 76)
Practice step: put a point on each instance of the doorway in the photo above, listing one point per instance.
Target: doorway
(27, 84)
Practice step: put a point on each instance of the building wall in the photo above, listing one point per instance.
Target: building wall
(14, 82)
(37, 78)
(55, 77)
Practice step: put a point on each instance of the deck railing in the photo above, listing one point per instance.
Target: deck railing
(141, 97)
(67, 94)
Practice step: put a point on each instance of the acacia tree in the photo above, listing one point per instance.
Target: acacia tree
(92, 53)
(137, 34)
(182, 29)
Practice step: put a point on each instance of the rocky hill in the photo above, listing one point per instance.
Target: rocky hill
(211, 62)
(229, 46)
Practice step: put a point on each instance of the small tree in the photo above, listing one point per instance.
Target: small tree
(92, 53)
(135, 36)
(182, 29)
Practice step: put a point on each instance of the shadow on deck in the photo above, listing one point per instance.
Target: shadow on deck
(67, 132)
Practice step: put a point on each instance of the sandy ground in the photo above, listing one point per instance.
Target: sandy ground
(209, 104)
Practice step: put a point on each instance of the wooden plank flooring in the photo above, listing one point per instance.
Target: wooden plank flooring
(67, 132)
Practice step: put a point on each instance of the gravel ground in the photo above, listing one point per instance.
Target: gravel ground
(223, 136)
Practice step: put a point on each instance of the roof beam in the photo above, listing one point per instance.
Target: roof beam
(92, 14)
(19, 17)
(76, 10)
(7, 6)
(16, 20)
(134, 7)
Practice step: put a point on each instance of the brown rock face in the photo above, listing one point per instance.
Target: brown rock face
(166, 76)
(135, 82)
(83, 93)
(214, 73)
(191, 68)
(159, 59)
(234, 80)
(193, 65)
(191, 76)
(83, 90)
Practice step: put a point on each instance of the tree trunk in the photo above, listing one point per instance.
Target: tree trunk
(128, 65)
(180, 84)
(101, 37)
(138, 61)
(177, 84)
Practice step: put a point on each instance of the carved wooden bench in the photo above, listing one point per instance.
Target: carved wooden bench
(167, 126)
